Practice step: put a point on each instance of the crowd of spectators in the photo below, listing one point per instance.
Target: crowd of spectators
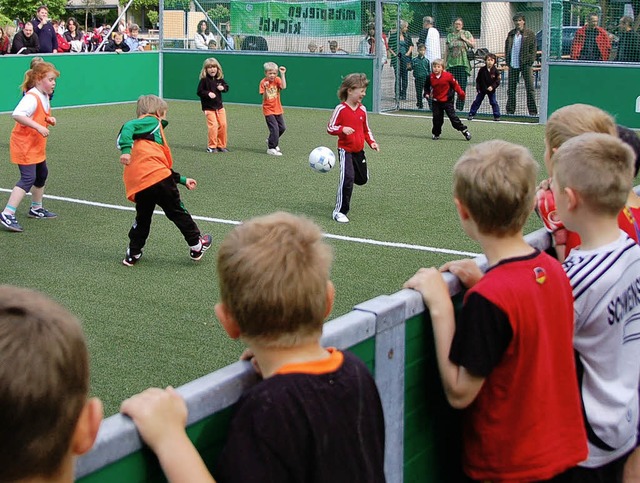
(43, 35)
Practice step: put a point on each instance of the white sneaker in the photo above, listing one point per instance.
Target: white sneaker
(341, 218)
(274, 152)
(278, 149)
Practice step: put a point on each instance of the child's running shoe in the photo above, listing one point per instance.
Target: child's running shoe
(131, 260)
(467, 135)
(10, 222)
(435, 138)
(205, 241)
(41, 213)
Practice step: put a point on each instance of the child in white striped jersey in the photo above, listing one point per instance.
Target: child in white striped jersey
(592, 176)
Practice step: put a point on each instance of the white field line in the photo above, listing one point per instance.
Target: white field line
(366, 241)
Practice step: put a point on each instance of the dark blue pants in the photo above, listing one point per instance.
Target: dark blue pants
(492, 100)
(275, 123)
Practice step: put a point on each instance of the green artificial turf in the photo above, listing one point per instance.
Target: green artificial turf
(153, 324)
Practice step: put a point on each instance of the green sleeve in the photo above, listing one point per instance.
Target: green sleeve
(134, 128)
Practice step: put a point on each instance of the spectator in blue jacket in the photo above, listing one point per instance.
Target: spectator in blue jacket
(47, 35)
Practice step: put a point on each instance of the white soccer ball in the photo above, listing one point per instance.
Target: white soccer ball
(322, 159)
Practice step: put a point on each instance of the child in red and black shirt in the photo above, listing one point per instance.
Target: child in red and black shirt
(349, 123)
(440, 86)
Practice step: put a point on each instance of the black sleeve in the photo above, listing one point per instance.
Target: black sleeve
(202, 91)
(175, 176)
(225, 85)
(124, 47)
(483, 333)
(36, 48)
(427, 85)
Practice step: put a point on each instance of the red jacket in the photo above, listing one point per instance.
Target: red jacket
(602, 41)
(441, 88)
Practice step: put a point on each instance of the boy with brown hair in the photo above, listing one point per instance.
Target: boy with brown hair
(592, 176)
(506, 361)
(150, 180)
(46, 419)
(317, 415)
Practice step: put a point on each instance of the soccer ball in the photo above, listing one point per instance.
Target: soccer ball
(322, 159)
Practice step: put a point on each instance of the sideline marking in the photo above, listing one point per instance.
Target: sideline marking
(367, 241)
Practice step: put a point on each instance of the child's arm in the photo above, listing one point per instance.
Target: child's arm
(283, 69)
(202, 92)
(160, 416)
(460, 386)
(27, 121)
(368, 135)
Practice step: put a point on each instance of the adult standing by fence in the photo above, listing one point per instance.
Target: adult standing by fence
(47, 35)
(520, 54)
(629, 45)
(400, 50)
(430, 37)
(591, 42)
(459, 41)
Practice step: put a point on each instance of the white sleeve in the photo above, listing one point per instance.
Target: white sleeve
(26, 107)
(199, 41)
(433, 44)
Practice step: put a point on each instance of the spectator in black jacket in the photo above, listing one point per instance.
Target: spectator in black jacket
(629, 45)
(25, 41)
(46, 33)
(116, 44)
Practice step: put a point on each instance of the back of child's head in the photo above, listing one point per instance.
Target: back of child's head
(35, 60)
(44, 381)
(439, 62)
(352, 81)
(491, 56)
(576, 119)
(38, 71)
(273, 273)
(496, 182)
(150, 104)
(270, 66)
(630, 137)
(211, 62)
(597, 166)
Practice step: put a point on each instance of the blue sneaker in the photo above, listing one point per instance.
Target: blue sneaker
(10, 222)
(41, 213)
(205, 241)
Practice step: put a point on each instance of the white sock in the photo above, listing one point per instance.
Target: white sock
(197, 248)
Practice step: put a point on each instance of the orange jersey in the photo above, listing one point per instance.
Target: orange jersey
(28, 146)
(151, 161)
(271, 96)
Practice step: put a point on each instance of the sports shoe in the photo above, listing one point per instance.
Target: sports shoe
(435, 138)
(41, 213)
(130, 260)
(205, 241)
(278, 149)
(341, 218)
(470, 117)
(10, 222)
(274, 152)
(496, 118)
(223, 150)
(212, 150)
(467, 135)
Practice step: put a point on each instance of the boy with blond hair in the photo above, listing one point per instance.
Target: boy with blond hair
(150, 180)
(592, 176)
(507, 362)
(46, 418)
(317, 415)
(270, 87)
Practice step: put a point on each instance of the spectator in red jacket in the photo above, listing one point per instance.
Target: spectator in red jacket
(5, 43)
(591, 42)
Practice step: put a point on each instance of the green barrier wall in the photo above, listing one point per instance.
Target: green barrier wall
(311, 81)
(611, 87)
(86, 78)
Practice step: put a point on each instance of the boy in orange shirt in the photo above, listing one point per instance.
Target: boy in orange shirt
(270, 88)
(150, 181)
